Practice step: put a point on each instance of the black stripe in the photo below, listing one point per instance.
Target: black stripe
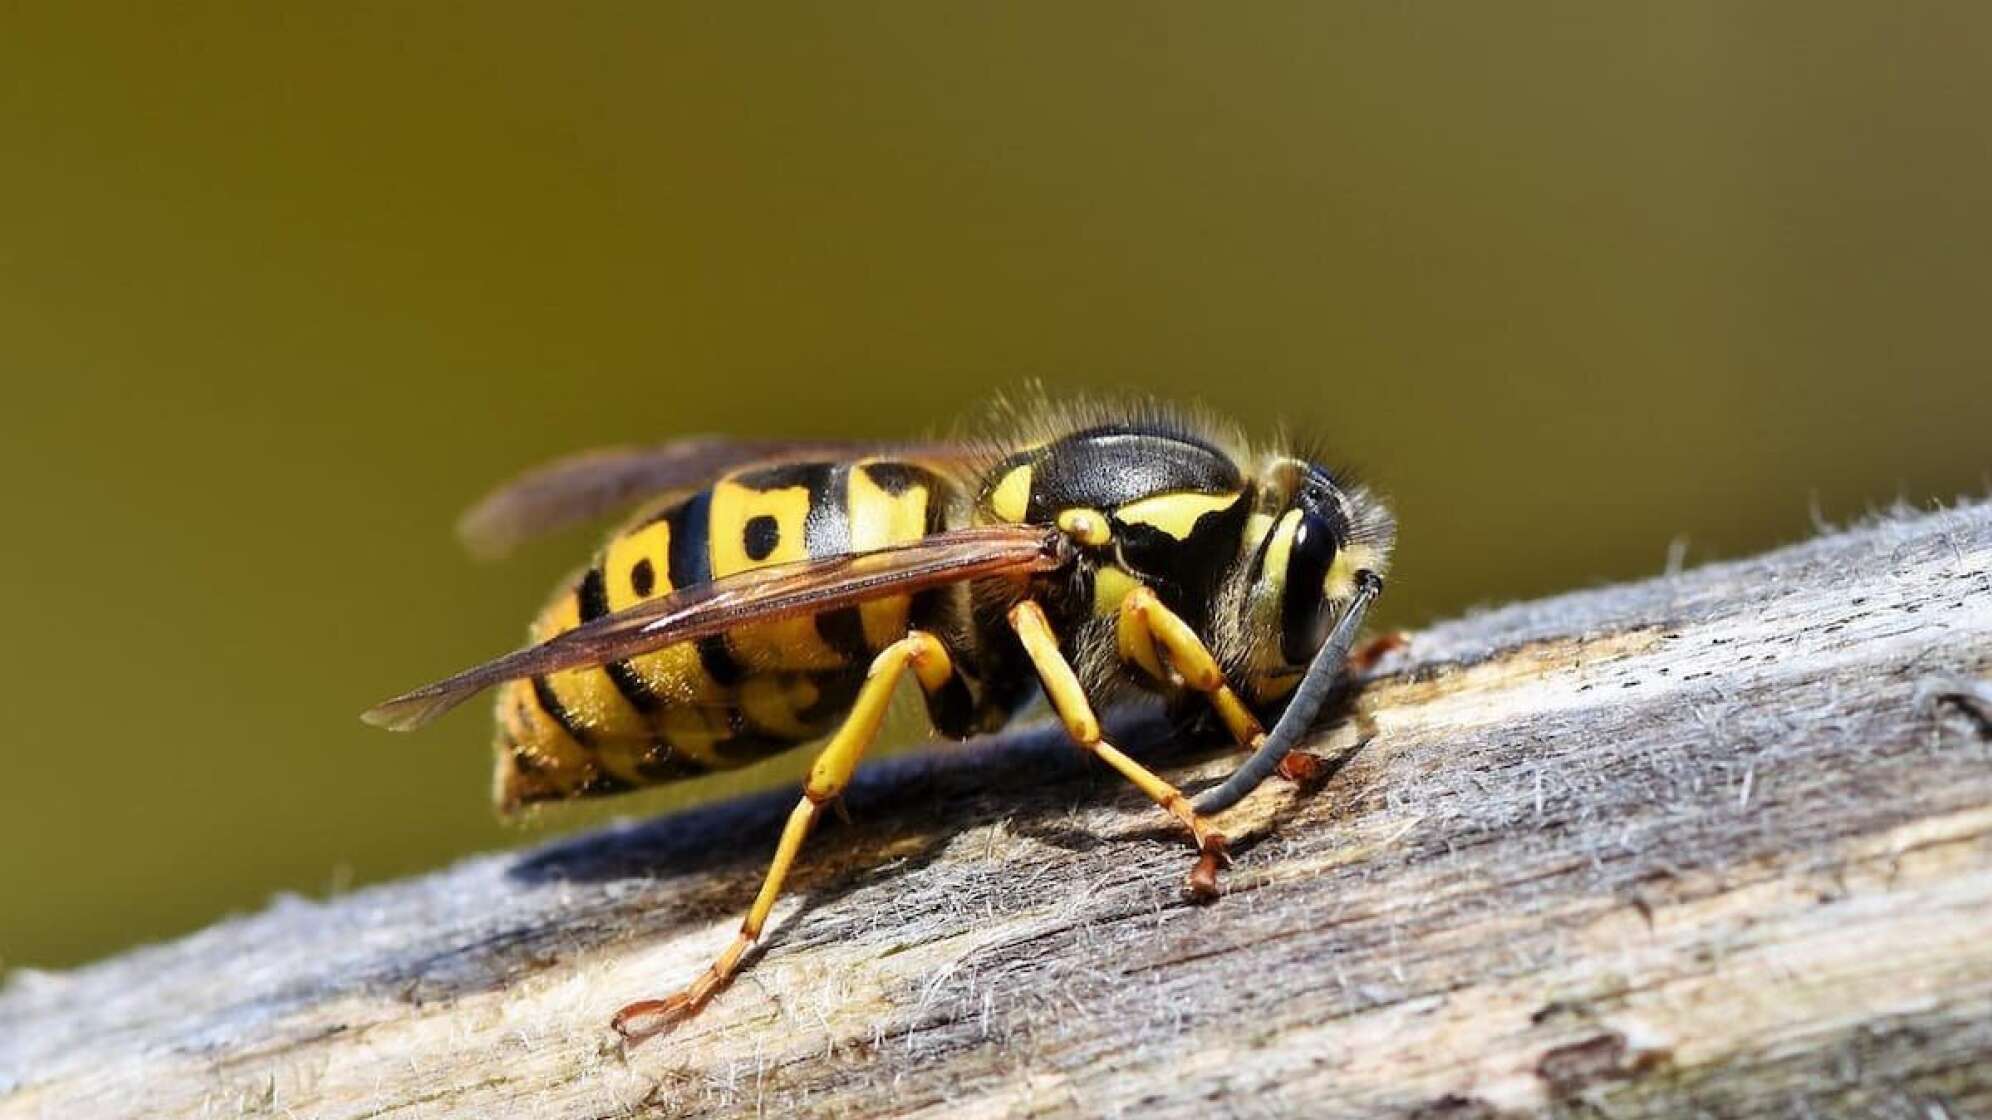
(936, 512)
(691, 563)
(717, 658)
(634, 688)
(601, 783)
(751, 746)
(894, 478)
(836, 691)
(843, 630)
(690, 559)
(827, 532)
(746, 743)
(662, 763)
(551, 705)
(952, 709)
(927, 607)
(594, 596)
(593, 593)
(1258, 567)
(782, 476)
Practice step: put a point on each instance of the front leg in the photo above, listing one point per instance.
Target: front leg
(1147, 630)
(1068, 699)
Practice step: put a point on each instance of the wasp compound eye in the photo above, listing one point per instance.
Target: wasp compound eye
(1303, 613)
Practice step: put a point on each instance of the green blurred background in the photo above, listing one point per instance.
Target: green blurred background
(282, 288)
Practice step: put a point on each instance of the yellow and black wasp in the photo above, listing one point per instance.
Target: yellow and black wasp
(772, 594)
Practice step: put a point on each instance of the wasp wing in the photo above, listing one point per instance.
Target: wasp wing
(758, 595)
(589, 484)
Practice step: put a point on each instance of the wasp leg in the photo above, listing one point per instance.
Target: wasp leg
(1146, 625)
(828, 776)
(1068, 699)
(1364, 657)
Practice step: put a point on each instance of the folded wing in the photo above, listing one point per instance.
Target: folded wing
(805, 587)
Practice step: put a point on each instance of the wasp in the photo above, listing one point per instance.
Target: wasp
(770, 594)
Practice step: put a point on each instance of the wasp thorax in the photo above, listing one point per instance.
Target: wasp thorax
(1154, 505)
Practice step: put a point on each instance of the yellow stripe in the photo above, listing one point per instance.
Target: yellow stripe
(1273, 573)
(537, 733)
(649, 545)
(560, 765)
(589, 696)
(1257, 525)
(692, 731)
(675, 673)
(790, 644)
(772, 702)
(620, 759)
(1011, 498)
(878, 519)
(1174, 514)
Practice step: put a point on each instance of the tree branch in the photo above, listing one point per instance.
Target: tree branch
(1717, 841)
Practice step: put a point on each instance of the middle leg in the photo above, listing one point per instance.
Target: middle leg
(927, 658)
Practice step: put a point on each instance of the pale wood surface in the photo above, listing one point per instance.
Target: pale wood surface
(1718, 842)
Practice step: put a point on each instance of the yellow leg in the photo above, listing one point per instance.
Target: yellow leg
(1068, 699)
(1157, 640)
(828, 777)
(1146, 626)
(1144, 614)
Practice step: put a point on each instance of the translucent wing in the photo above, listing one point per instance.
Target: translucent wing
(589, 484)
(760, 595)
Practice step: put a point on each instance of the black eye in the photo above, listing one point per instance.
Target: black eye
(1308, 560)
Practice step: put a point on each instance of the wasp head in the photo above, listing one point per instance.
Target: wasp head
(1308, 541)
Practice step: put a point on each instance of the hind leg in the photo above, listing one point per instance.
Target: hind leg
(828, 776)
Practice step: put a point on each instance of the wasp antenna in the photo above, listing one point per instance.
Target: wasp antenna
(1323, 674)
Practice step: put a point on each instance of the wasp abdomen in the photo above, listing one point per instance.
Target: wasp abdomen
(729, 699)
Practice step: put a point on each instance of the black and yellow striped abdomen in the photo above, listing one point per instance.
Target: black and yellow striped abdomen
(730, 699)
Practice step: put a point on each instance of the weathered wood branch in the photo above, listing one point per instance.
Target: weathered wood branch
(1720, 841)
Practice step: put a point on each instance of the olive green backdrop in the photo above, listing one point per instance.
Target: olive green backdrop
(282, 286)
